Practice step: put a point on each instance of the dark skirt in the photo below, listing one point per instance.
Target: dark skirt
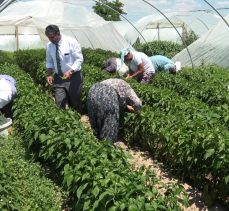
(103, 111)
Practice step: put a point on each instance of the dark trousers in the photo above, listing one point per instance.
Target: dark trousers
(7, 110)
(68, 91)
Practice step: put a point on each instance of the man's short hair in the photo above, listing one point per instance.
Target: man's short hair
(52, 29)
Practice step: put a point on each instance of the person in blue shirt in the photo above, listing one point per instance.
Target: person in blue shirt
(162, 63)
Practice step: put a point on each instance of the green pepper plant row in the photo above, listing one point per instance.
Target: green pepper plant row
(96, 174)
(198, 108)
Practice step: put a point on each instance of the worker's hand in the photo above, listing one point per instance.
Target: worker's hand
(173, 71)
(130, 108)
(129, 76)
(68, 74)
(50, 79)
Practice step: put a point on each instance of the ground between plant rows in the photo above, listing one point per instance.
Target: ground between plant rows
(140, 157)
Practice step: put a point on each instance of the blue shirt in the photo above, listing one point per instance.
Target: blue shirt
(162, 63)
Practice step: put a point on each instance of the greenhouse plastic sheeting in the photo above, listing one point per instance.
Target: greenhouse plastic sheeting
(211, 48)
(123, 27)
(157, 27)
(22, 25)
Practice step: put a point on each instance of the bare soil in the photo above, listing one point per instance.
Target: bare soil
(139, 158)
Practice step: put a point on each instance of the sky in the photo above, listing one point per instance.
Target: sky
(137, 9)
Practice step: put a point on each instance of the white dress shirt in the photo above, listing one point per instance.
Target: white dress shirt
(70, 53)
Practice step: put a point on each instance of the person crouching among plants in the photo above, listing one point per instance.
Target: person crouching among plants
(140, 65)
(107, 100)
(8, 92)
(115, 65)
(162, 63)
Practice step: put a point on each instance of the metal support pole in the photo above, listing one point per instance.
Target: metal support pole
(123, 17)
(174, 28)
(17, 38)
(217, 12)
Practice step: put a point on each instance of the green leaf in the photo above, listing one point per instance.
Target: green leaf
(69, 179)
(42, 137)
(133, 207)
(104, 197)
(36, 135)
(209, 153)
(95, 191)
(122, 206)
(112, 208)
(80, 190)
(227, 179)
(86, 205)
(67, 141)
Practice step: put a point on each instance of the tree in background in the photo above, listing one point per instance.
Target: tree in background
(189, 36)
(107, 13)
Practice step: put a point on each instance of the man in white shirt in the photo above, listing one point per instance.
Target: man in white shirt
(64, 58)
(140, 65)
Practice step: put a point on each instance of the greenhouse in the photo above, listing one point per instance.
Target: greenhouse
(210, 48)
(114, 105)
(22, 25)
(157, 27)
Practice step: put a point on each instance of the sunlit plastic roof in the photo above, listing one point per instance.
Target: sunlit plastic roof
(211, 48)
(22, 25)
(154, 25)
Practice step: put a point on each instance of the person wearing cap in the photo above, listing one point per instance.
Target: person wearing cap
(8, 92)
(140, 65)
(64, 58)
(107, 100)
(162, 63)
(113, 65)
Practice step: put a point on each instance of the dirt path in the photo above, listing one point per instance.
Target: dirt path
(139, 158)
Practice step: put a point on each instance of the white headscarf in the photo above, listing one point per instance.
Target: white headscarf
(178, 66)
(123, 53)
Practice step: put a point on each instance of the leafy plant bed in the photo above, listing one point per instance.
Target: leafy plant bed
(96, 174)
(184, 121)
(23, 185)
